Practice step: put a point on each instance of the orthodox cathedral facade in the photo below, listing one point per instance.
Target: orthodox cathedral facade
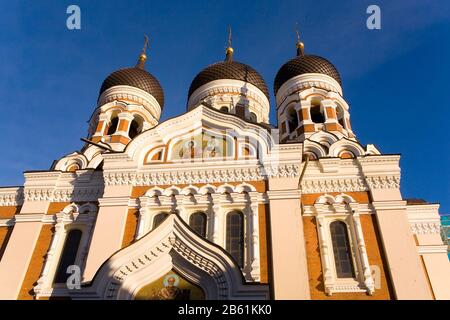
(217, 203)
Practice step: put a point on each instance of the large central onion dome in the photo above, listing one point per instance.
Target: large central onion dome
(303, 64)
(136, 77)
(231, 87)
(229, 69)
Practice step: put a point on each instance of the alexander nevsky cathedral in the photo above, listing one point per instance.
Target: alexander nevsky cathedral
(218, 203)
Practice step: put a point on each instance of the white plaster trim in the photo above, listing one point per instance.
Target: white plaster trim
(230, 86)
(432, 249)
(12, 196)
(134, 94)
(7, 222)
(305, 81)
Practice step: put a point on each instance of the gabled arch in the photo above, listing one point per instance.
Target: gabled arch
(72, 159)
(209, 188)
(338, 199)
(189, 190)
(155, 191)
(172, 191)
(225, 188)
(245, 187)
(200, 117)
(346, 145)
(316, 148)
(321, 136)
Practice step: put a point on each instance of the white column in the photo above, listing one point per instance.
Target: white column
(143, 222)
(254, 227)
(368, 280)
(328, 278)
(216, 213)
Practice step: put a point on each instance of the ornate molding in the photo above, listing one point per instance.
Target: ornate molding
(383, 182)
(334, 185)
(422, 228)
(11, 197)
(199, 176)
(63, 195)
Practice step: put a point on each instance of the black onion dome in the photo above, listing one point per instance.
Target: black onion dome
(229, 70)
(135, 77)
(305, 64)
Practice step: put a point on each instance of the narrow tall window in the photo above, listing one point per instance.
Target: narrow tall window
(253, 117)
(317, 114)
(113, 126)
(68, 255)
(235, 236)
(341, 250)
(135, 127)
(197, 221)
(158, 219)
(292, 120)
(340, 116)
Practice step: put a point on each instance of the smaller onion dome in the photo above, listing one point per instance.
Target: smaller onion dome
(302, 64)
(135, 77)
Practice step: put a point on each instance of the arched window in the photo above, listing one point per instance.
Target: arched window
(197, 221)
(113, 126)
(68, 255)
(135, 127)
(224, 109)
(341, 250)
(253, 117)
(292, 120)
(158, 219)
(340, 116)
(235, 236)
(317, 115)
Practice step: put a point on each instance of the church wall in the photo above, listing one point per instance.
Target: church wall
(130, 227)
(17, 256)
(375, 256)
(289, 274)
(108, 233)
(56, 207)
(400, 248)
(5, 233)
(8, 212)
(36, 262)
(263, 211)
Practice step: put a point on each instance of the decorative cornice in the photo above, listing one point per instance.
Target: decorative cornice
(333, 185)
(199, 176)
(11, 196)
(63, 195)
(422, 228)
(383, 182)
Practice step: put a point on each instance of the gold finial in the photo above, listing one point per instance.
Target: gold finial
(143, 55)
(299, 45)
(229, 51)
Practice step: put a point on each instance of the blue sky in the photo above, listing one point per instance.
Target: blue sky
(396, 79)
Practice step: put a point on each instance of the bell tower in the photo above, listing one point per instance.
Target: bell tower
(130, 101)
(309, 98)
